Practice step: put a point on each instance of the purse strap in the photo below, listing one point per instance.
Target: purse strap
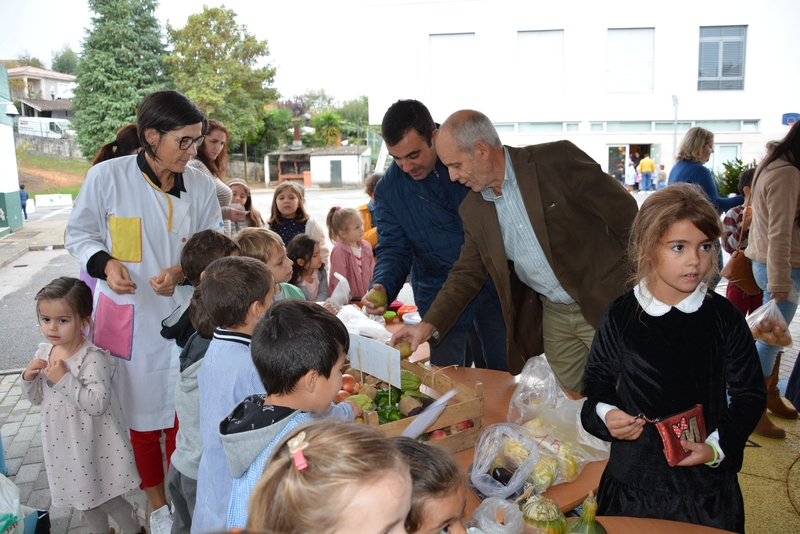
(741, 234)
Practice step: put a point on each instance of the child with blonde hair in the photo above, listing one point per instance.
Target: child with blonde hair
(351, 255)
(662, 348)
(240, 196)
(289, 216)
(267, 246)
(87, 453)
(333, 477)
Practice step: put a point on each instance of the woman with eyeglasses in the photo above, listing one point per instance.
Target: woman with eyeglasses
(127, 228)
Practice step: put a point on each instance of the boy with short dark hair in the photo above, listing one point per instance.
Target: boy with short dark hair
(200, 250)
(235, 292)
(299, 349)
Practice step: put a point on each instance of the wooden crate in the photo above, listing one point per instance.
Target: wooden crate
(467, 404)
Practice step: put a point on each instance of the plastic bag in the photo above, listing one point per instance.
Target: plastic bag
(559, 434)
(502, 445)
(341, 293)
(485, 517)
(768, 325)
(538, 390)
(10, 510)
(358, 323)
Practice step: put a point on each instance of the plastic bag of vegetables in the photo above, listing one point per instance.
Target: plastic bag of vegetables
(503, 446)
(538, 390)
(485, 517)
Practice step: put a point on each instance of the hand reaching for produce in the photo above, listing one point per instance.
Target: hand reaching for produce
(416, 334)
(624, 426)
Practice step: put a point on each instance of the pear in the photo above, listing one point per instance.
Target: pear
(377, 297)
(405, 349)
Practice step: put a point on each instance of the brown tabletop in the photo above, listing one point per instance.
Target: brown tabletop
(639, 525)
(498, 387)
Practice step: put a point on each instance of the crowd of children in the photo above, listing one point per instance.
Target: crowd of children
(262, 446)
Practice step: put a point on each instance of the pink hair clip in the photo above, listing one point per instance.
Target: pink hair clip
(296, 446)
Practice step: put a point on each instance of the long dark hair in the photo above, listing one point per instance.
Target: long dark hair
(787, 148)
(126, 143)
(219, 166)
(301, 247)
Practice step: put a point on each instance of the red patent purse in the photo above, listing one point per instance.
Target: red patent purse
(689, 425)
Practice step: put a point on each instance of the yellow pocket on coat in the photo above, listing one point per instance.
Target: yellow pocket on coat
(126, 238)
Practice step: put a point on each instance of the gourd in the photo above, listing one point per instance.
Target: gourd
(544, 514)
(587, 523)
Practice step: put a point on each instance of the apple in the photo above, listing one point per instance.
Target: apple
(405, 349)
(438, 434)
(377, 297)
(462, 426)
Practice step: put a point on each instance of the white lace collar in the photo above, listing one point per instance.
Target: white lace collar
(656, 308)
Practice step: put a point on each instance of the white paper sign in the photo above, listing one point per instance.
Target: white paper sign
(375, 358)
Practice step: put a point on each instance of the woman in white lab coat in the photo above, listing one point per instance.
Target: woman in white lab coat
(129, 224)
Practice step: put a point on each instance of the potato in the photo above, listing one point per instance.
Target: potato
(766, 324)
(756, 332)
(779, 329)
(784, 340)
(769, 338)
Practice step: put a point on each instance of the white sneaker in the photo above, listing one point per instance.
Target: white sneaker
(161, 521)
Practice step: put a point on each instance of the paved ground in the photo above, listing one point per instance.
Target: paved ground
(770, 478)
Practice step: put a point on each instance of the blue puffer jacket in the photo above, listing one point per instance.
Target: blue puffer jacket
(419, 231)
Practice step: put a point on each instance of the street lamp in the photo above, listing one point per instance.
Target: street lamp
(675, 129)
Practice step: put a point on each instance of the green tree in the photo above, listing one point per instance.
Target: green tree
(328, 128)
(277, 127)
(65, 60)
(122, 62)
(317, 100)
(214, 62)
(25, 59)
(355, 111)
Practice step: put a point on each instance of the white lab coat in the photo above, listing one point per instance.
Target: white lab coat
(120, 212)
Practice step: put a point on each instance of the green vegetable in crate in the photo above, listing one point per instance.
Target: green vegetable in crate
(587, 523)
(389, 414)
(362, 401)
(387, 397)
(544, 474)
(409, 381)
(544, 514)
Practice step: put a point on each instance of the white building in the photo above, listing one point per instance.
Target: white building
(598, 73)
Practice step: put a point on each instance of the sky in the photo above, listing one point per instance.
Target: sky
(313, 43)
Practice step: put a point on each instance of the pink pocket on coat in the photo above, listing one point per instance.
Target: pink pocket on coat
(113, 327)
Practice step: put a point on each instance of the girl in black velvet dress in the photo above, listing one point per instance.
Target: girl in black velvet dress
(661, 348)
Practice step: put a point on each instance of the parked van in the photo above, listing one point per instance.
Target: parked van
(44, 127)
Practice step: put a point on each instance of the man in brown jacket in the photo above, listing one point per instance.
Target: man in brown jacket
(549, 226)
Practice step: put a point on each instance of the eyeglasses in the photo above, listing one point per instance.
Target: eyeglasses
(185, 142)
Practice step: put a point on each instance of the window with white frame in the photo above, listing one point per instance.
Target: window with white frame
(723, 153)
(630, 60)
(540, 62)
(721, 63)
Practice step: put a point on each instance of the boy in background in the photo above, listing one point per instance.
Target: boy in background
(235, 292)
(662, 177)
(201, 249)
(299, 349)
(267, 246)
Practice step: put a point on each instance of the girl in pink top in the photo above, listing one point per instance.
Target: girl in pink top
(351, 255)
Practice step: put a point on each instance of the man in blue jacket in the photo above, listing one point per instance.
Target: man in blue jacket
(420, 233)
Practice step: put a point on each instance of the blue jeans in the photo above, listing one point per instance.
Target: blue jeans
(647, 178)
(767, 353)
(489, 329)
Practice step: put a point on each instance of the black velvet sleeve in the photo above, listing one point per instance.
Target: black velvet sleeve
(746, 388)
(601, 374)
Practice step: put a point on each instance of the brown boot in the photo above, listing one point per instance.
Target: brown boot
(768, 429)
(774, 402)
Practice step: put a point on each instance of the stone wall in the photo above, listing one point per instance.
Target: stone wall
(43, 146)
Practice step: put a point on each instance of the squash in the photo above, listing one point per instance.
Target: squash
(587, 523)
(544, 514)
